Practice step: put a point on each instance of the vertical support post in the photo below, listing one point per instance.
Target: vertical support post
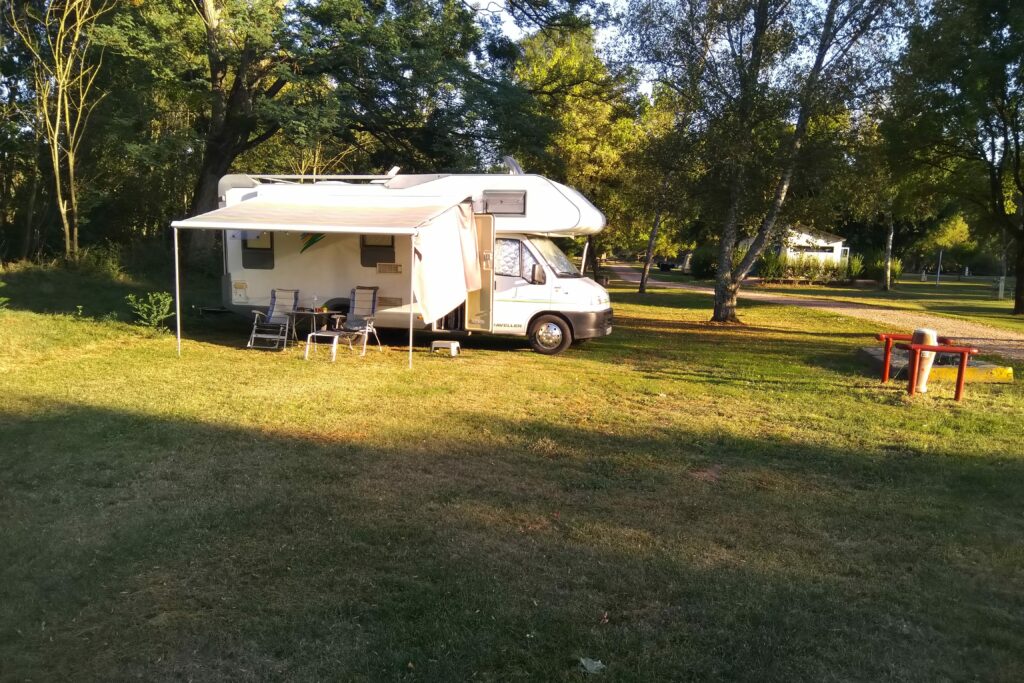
(915, 358)
(583, 262)
(177, 293)
(887, 361)
(938, 270)
(961, 375)
(412, 288)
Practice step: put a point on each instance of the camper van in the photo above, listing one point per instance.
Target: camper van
(401, 233)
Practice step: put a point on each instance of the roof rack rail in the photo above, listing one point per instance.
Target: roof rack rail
(291, 178)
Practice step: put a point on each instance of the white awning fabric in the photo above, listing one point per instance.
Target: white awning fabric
(447, 266)
(361, 215)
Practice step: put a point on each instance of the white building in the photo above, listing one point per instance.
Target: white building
(803, 242)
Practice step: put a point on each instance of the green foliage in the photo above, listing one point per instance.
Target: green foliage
(153, 309)
(777, 267)
(875, 269)
(773, 265)
(967, 120)
(588, 125)
(704, 262)
(102, 260)
(855, 266)
(896, 268)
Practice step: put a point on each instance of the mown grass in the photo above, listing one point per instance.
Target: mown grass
(970, 299)
(967, 300)
(679, 500)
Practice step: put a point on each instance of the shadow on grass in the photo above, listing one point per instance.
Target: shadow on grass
(55, 289)
(161, 548)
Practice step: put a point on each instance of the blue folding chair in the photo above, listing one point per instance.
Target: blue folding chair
(271, 330)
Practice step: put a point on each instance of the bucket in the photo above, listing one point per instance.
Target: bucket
(924, 367)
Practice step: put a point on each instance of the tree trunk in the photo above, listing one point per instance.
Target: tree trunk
(1018, 290)
(595, 260)
(725, 302)
(1002, 256)
(725, 287)
(650, 252)
(887, 275)
(215, 166)
(588, 253)
(30, 216)
(73, 203)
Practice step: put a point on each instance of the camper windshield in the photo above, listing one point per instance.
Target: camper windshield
(558, 261)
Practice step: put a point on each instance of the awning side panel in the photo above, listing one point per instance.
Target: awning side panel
(440, 278)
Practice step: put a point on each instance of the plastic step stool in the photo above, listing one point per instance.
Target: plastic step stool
(452, 346)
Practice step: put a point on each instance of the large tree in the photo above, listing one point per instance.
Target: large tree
(757, 72)
(585, 115)
(58, 38)
(960, 92)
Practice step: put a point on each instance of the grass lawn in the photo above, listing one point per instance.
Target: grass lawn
(679, 500)
(970, 299)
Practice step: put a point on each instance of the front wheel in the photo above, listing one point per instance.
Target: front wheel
(549, 335)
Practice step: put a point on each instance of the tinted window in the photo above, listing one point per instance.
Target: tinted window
(258, 251)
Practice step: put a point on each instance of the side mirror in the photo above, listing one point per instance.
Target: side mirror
(537, 274)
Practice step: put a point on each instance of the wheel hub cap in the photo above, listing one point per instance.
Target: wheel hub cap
(549, 335)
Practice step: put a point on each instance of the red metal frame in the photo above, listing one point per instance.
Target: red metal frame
(915, 359)
(945, 345)
(890, 339)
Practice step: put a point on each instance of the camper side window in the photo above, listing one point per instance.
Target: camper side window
(514, 259)
(374, 249)
(258, 251)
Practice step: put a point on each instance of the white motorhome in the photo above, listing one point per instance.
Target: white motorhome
(326, 235)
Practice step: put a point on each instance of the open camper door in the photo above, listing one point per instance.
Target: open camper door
(480, 304)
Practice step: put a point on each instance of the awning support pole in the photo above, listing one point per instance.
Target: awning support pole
(412, 288)
(177, 292)
(583, 263)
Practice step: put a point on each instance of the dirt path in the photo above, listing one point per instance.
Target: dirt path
(990, 340)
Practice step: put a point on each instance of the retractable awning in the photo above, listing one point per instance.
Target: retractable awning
(443, 253)
(362, 215)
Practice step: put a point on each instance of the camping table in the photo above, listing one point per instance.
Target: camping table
(313, 319)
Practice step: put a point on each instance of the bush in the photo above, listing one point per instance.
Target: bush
(101, 260)
(773, 266)
(855, 266)
(704, 264)
(876, 269)
(802, 268)
(152, 310)
(779, 267)
(896, 270)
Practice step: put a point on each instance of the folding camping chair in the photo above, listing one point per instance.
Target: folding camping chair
(270, 330)
(362, 308)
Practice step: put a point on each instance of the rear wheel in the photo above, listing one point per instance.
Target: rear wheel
(549, 335)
